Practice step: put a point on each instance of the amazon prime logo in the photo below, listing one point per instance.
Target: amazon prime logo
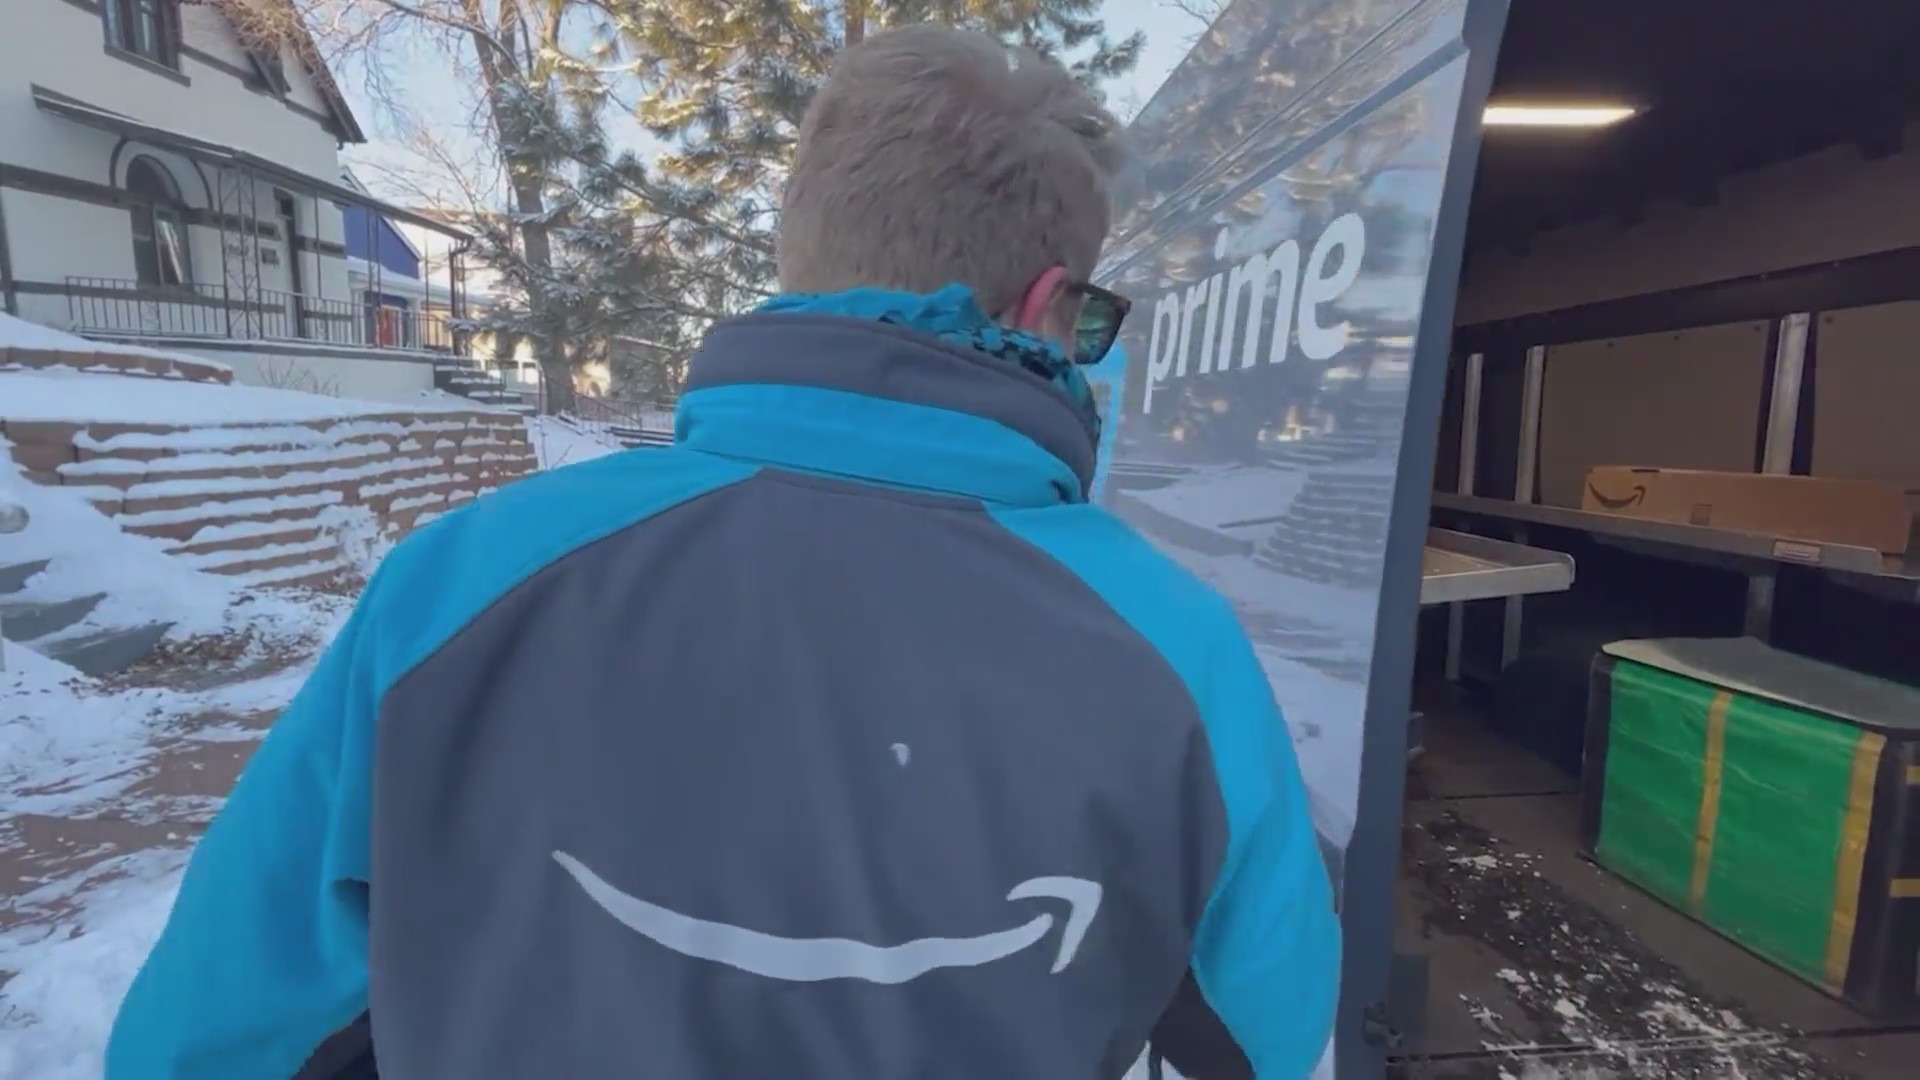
(820, 959)
(1221, 323)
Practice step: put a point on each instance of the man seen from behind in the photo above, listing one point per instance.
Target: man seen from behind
(844, 740)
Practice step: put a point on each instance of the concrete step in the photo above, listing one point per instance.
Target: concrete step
(157, 442)
(182, 495)
(25, 620)
(265, 560)
(105, 652)
(308, 574)
(249, 537)
(127, 473)
(184, 525)
(13, 578)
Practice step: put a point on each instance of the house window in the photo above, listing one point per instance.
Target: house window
(159, 232)
(145, 28)
(270, 68)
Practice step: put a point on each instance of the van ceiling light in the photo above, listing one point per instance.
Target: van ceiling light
(1559, 116)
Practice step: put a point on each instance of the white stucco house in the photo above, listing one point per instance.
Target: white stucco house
(165, 179)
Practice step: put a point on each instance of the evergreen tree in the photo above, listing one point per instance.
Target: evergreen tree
(724, 83)
(614, 287)
(602, 257)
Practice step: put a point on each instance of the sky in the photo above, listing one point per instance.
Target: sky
(423, 82)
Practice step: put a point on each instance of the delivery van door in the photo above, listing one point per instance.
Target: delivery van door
(1290, 239)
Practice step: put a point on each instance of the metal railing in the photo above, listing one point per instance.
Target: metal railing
(212, 310)
(656, 415)
(650, 416)
(13, 519)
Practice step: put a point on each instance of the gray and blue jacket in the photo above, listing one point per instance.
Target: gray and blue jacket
(844, 740)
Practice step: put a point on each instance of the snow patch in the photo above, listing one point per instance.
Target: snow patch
(557, 442)
(79, 397)
(56, 1013)
(90, 554)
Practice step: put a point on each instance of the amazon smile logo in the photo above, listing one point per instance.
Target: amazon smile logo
(820, 959)
(1634, 499)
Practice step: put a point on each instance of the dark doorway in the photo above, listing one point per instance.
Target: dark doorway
(289, 216)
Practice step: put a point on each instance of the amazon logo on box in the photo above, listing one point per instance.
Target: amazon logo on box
(1858, 513)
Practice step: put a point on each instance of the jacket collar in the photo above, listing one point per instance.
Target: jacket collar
(883, 403)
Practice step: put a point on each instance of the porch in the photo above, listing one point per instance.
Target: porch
(213, 249)
(131, 308)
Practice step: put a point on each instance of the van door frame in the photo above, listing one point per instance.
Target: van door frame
(1388, 993)
(1382, 993)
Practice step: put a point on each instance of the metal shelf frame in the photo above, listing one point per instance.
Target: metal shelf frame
(1754, 552)
(1758, 556)
(1459, 567)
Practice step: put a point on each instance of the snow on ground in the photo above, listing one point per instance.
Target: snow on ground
(560, 442)
(121, 777)
(60, 1005)
(19, 333)
(79, 396)
(118, 777)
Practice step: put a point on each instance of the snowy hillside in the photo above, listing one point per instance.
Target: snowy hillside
(160, 482)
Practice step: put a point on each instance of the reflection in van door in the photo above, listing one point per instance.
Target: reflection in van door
(1290, 238)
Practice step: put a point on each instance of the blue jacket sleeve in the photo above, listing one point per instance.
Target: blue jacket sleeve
(265, 953)
(1267, 955)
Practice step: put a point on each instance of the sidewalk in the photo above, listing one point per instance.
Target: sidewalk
(109, 788)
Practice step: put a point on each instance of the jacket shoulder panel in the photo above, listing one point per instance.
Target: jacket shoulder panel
(446, 575)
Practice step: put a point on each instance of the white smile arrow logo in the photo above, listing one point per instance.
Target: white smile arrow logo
(818, 959)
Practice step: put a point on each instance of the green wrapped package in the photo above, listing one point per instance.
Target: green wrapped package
(1767, 796)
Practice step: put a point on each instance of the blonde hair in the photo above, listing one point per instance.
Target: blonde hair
(934, 156)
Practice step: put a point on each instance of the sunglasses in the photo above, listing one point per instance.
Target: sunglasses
(1101, 313)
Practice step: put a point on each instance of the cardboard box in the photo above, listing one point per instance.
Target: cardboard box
(1856, 512)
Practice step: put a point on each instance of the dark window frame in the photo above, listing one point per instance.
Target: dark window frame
(145, 30)
(270, 69)
(162, 248)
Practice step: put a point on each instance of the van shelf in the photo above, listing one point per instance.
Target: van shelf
(1900, 576)
(1461, 566)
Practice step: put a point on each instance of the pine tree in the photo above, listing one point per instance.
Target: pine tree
(724, 84)
(602, 256)
(610, 277)
(584, 259)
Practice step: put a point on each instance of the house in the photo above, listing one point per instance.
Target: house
(168, 176)
(409, 300)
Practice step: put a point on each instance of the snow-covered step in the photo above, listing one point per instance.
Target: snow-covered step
(249, 536)
(26, 620)
(214, 465)
(268, 557)
(308, 574)
(150, 442)
(103, 652)
(185, 523)
(14, 577)
(150, 496)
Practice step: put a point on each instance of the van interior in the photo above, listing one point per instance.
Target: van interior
(1666, 820)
